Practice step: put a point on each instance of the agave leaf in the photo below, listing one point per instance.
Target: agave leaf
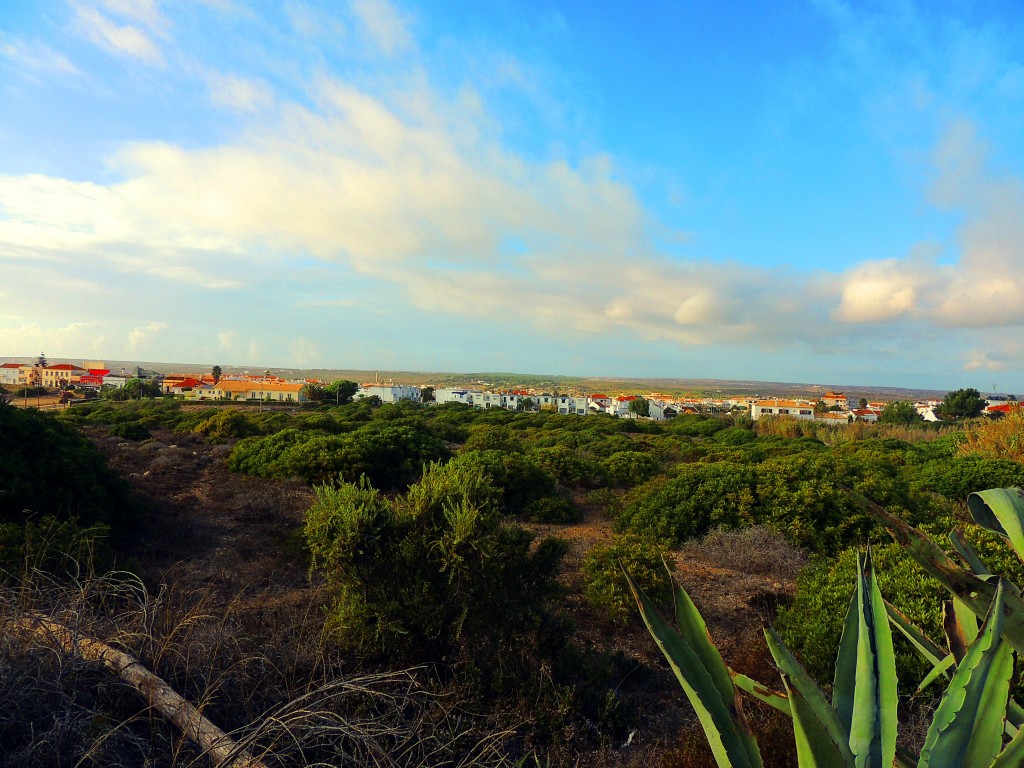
(955, 638)
(864, 692)
(941, 669)
(976, 592)
(776, 699)
(821, 739)
(1001, 510)
(967, 552)
(1012, 755)
(721, 717)
(695, 634)
(967, 728)
(966, 621)
(930, 650)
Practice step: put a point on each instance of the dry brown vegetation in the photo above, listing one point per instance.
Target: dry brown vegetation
(223, 609)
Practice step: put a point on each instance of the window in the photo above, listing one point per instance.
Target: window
(766, 410)
(783, 410)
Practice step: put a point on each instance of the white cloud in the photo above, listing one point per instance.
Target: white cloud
(303, 353)
(123, 39)
(35, 58)
(880, 291)
(240, 93)
(386, 26)
(139, 336)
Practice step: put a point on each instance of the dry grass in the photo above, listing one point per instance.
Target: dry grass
(257, 668)
(756, 550)
(996, 438)
(832, 434)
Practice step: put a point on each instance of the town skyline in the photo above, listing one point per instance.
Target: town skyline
(774, 191)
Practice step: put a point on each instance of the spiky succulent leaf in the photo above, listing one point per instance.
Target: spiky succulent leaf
(1001, 510)
(967, 728)
(821, 739)
(725, 727)
(864, 692)
(776, 699)
(977, 592)
(967, 552)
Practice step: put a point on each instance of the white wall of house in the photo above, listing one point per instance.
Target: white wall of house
(390, 393)
(793, 408)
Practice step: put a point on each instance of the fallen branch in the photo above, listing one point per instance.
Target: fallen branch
(220, 747)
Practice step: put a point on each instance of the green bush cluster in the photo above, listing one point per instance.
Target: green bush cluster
(50, 469)
(390, 456)
(433, 572)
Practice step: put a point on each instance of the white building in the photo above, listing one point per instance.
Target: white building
(389, 393)
(797, 409)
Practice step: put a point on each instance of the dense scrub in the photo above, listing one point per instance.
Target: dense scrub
(59, 501)
(413, 532)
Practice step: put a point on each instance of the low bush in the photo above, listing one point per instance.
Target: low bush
(552, 509)
(700, 497)
(131, 430)
(433, 572)
(606, 588)
(628, 468)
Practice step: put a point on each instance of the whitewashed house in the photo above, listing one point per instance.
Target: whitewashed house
(389, 393)
(797, 409)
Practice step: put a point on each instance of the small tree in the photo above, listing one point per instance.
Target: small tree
(900, 412)
(862, 403)
(427, 395)
(314, 392)
(640, 407)
(341, 391)
(41, 361)
(216, 373)
(962, 404)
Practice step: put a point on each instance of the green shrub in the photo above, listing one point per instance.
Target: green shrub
(553, 509)
(802, 496)
(519, 479)
(433, 572)
(227, 424)
(389, 455)
(735, 436)
(52, 470)
(606, 588)
(958, 477)
(626, 468)
(700, 497)
(131, 430)
(568, 466)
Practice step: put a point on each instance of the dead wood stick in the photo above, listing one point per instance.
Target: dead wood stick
(160, 696)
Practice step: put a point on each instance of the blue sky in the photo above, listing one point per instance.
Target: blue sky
(798, 191)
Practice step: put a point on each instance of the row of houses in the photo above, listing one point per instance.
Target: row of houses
(580, 405)
(61, 375)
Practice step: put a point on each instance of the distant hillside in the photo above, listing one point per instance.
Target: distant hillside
(695, 387)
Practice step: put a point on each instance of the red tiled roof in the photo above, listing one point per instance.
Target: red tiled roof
(63, 367)
(1001, 408)
(11, 365)
(599, 397)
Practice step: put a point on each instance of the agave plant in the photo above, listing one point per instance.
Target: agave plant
(975, 725)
